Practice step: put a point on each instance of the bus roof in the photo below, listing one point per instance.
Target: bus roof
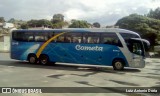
(117, 30)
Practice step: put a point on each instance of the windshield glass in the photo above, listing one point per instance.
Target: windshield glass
(135, 46)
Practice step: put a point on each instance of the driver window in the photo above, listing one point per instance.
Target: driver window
(137, 48)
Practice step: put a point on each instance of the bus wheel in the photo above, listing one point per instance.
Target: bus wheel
(118, 64)
(32, 59)
(44, 59)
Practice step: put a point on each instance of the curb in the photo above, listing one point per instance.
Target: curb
(4, 51)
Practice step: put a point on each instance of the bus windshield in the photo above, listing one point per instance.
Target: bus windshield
(135, 46)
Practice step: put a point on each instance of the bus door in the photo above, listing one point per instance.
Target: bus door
(137, 49)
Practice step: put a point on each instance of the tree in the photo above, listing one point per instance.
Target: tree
(57, 18)
(12, 20)
(154, 13)
(2, 20)
(151, 37)
(79, 24)
(147, 27)
(58, 21)
(17, 23)
(24, 26)
(96, 24)
(39, 23)
(44, 23)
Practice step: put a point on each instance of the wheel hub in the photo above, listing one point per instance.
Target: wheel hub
(118, 65)
(32, 60)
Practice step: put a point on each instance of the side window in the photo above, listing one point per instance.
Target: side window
(18, 36)
(77, 37)
(68, 38)
(23, 36)
(72, 37)
(50, 35)
(28, 36)
(92, 38)
(60, 38)
(110, 38)
(31, 36)
(41, 36)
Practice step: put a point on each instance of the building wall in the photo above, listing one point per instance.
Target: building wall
(5, 43)
(8, 25)
(1, 46)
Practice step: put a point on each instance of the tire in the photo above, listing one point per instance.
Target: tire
(32, 59)
(118, 64)
(44, 60)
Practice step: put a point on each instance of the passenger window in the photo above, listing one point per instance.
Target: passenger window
(68, 38)
(50, 35)
(110, 38)
(73, 37)
(31, 36)
(41, 37)
(77, 38)
(23, 36)
(60, 39)
(19, 36)
(92, 38)
(28, 36)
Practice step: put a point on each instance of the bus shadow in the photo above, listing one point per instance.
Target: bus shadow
(60, 66)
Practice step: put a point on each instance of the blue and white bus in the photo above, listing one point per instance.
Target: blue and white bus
(109, 46)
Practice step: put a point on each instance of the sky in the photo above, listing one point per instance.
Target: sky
(106, 12)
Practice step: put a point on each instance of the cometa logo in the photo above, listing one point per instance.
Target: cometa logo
(85, 48)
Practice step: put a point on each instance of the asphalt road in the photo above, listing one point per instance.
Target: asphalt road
(22, 74)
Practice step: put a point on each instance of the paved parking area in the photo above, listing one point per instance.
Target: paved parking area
(22, 74)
